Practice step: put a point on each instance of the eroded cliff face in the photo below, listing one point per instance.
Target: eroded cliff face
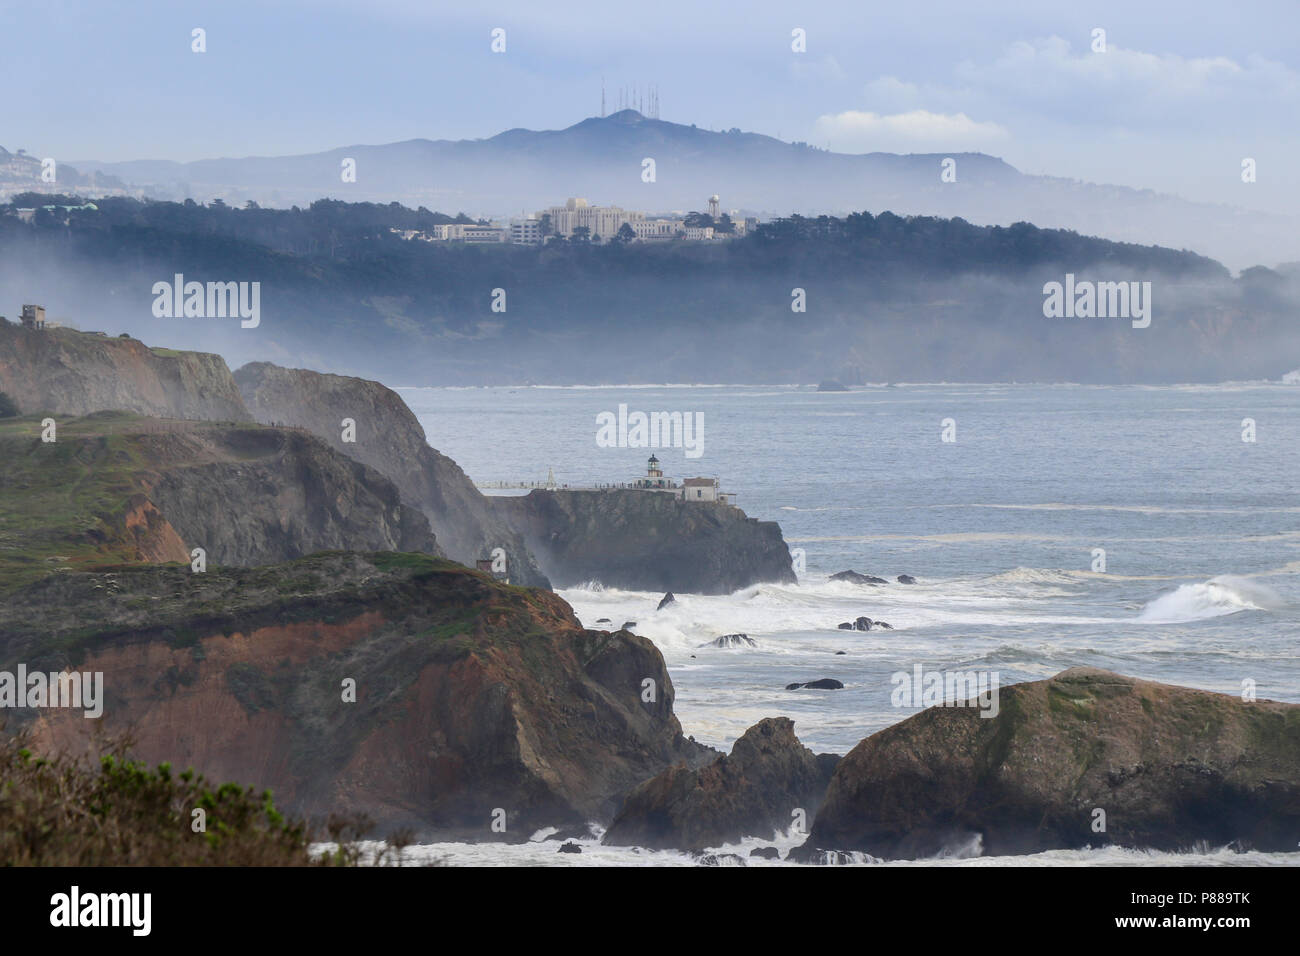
(1168, 766)
(470, 695)
(390, 439)
(115, 487)
(647, 541)
(75, 373)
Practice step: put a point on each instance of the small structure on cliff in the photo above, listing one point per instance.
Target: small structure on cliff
(33, 316)
(691, 489)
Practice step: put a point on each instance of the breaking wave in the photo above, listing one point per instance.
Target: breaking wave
(1225, 594)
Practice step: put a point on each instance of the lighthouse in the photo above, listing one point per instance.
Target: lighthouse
(652, 469)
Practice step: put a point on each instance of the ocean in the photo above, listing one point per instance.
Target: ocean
(1003, 526)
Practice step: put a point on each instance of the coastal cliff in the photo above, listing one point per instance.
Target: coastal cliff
(647, 541)
(74, 373)
(471, 701)
(389, 438)
(120, 488)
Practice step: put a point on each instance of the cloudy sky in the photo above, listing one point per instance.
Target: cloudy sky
(1175, 103)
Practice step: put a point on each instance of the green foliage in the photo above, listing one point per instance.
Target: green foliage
(65, 812)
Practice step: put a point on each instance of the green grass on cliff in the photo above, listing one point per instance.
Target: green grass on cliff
(63, 503)
(62, 500)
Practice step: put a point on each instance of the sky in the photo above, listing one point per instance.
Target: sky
(1182, 94)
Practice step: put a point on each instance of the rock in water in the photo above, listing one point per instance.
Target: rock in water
(906, 579)
(766, 852)
(750, 792)
(731, 640)
(628, 625)
(862, 624)
(569, 847)
(855, 578)
(1170, 767)
(846, 626)
(722, 859)
(667, 600)
(825, 683)
(604, 620)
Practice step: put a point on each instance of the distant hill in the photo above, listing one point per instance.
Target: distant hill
(600, 158)
(884, 298)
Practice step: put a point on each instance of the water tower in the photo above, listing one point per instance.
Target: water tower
(713, 207)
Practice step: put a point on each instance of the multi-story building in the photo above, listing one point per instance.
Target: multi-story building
(525, 231)
(657, 229)
(603, 221)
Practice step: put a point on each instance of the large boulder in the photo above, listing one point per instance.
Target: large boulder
(1167, 766)
(754, 791)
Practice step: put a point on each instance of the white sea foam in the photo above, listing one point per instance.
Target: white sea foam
(1225, 594)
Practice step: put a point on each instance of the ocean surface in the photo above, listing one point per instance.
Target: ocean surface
(1000, 527)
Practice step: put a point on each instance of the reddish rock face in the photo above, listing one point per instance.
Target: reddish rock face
(471, 696)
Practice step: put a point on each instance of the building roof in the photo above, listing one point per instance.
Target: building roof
(694, 482)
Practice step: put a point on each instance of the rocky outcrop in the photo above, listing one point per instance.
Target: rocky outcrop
(75, 373)
(402, 686)
(756, 790)
(115, 487)
(389, 438)
(822, 683)
(646, 541)
(1160, 767)
(731, 640)
(854, 577)
(864, 624)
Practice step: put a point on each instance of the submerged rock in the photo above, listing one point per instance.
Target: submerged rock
(906, 579)
(1169, 767)
(753, 791)
(569, 847)
(846, 626)
(765, 853)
